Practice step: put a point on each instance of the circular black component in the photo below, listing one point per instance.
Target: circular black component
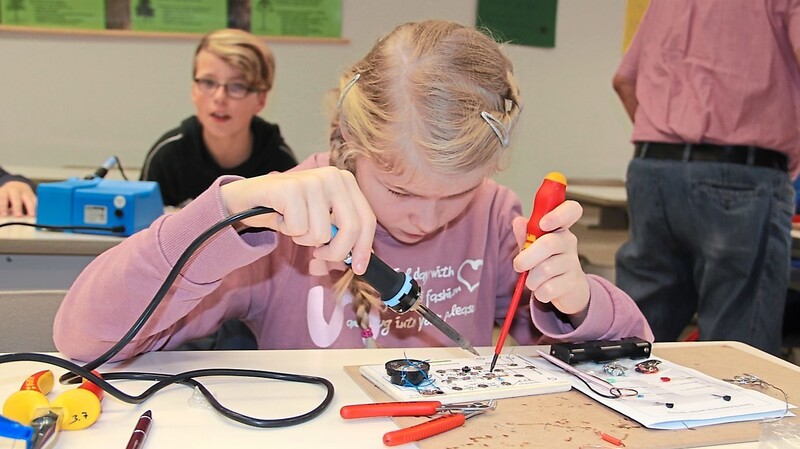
(407, 371)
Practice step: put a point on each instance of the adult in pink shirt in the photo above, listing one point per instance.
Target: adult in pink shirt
(422, 123)
(713, 90)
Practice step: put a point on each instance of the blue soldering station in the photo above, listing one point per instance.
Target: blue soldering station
(99, 206)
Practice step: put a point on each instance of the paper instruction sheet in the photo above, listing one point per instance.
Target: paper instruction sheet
(676, 397)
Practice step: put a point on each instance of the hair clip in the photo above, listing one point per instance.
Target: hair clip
(509, 104)
(498, 127)
(346, 89)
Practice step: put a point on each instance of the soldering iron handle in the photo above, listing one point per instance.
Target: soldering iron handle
(382, 277)
(103, 169)
(397, 290)
(424, 430)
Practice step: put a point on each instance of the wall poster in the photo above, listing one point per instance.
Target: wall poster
(298, 18)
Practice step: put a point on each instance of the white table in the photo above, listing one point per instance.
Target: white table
(32, 259)
(180, 423)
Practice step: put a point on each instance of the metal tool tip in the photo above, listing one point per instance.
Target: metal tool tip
(494, 362)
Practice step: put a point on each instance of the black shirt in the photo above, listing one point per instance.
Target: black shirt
(6, 177)
(184, 168)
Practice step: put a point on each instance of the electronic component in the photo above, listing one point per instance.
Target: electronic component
(407, 371)
(601, 350)
(108, 207)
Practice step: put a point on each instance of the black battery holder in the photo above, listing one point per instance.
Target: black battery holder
(601, 350)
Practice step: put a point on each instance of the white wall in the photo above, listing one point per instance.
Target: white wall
(75, 100)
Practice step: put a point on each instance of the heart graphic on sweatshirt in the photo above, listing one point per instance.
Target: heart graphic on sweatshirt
(323, 332)
(470, 273)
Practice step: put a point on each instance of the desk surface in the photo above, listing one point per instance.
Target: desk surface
(599, 195)
(611, 201)
(179, 421)
(51, 174)
(28, 240)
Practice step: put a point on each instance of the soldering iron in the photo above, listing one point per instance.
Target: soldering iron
(400, 292)
(102, 170)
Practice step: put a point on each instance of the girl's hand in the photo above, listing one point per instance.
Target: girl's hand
(555, 274)
(308, 202)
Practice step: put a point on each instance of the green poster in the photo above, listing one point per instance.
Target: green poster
(302, 18)
(83, 14)
(310, 18)
(521, 22)
(186, 16)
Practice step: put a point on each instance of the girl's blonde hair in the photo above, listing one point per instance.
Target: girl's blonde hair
(435, 94)
(244, 51)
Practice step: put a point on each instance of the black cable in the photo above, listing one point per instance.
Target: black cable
(187, 378)
(116, 229)
(77, 372)
(121, 171)
(165, 286)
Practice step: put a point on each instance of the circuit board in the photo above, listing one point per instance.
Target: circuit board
(469, 379)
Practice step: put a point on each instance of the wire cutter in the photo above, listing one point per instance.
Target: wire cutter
(454, 415)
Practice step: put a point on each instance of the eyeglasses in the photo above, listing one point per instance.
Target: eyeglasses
(233, 90)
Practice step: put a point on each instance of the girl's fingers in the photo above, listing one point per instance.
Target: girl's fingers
(307, 203)
(563, 216)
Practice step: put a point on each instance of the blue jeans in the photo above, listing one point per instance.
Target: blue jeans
(711, 238)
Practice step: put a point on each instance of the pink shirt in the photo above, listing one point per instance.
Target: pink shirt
(718, 71)
(465, 274)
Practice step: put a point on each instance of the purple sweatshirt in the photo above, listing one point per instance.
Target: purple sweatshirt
(465, 274)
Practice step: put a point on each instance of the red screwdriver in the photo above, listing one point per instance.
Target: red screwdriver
(551, 193)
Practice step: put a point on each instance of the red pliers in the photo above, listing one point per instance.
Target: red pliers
(455, 416)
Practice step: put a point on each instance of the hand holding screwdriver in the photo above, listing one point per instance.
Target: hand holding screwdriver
(551, 193)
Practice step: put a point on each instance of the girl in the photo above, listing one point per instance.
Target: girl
(422, 123)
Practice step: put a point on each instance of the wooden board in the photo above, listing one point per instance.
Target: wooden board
(571, 420)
